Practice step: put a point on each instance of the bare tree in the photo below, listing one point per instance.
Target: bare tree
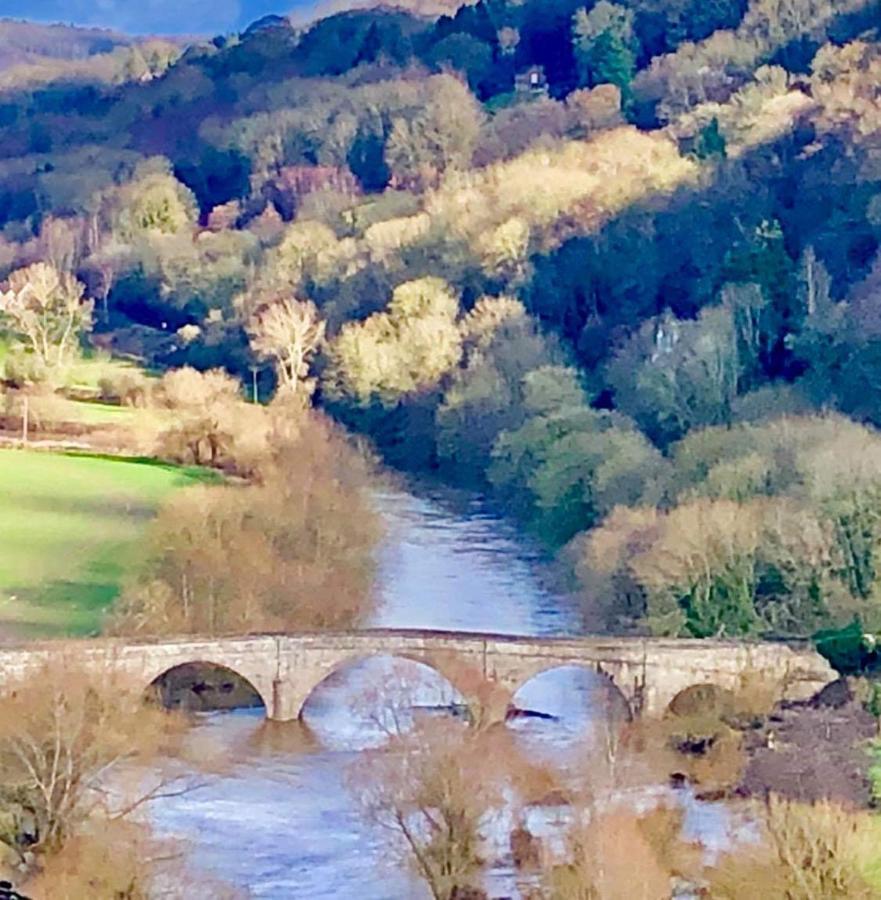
(65, 741)
(207, 406)
(613, 850)
(288, 332)
(61, 242)
(295, 550)
(432, 790)
(815, 284)
(106, 264)
(46, 308)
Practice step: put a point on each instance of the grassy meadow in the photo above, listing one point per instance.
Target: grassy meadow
(69, 530)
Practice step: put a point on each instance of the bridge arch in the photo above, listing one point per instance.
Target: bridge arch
(201, 685)
(600, 682)
(705, 697)
(251, 672)
(306, 686)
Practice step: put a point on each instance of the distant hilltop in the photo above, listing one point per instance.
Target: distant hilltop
(26, 43)
(306, 14)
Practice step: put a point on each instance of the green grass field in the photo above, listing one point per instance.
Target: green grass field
(69, 532)
(94, 413)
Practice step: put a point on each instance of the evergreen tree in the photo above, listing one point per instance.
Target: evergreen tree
(611, 61)
(604, 44)
(711, 142)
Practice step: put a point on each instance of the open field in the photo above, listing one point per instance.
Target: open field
(94, 413)
(69, 527)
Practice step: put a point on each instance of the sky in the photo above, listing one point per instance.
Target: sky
(196, 17)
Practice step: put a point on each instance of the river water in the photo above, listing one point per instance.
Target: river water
(283, 823)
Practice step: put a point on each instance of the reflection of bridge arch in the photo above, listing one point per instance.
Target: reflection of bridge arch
(285, 669)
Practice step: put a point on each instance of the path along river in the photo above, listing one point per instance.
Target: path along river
(283, 823)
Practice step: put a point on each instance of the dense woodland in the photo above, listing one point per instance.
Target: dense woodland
(615, 263)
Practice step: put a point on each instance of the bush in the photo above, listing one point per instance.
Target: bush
(45, 409)
(807, 851)
(293, 551)
(21, 369)
(127, 387)
(846, 649)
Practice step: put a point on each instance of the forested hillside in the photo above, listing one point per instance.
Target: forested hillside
(617, 263)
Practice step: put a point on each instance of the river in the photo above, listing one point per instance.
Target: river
(283, 822)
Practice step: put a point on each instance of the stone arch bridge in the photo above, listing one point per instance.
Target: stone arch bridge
(286, 669)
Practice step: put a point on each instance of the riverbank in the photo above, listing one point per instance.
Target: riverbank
(818, 750)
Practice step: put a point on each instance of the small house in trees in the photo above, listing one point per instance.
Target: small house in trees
(531, 81)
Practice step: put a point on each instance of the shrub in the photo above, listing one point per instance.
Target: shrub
(21, 369)
(808, 852)
(126, 387)
(293, 551)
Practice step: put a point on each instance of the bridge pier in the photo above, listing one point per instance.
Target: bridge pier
(287, 702)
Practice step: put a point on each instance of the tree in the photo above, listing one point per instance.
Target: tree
(855, 515)
(288, 332)
(610, 857)
(700, 573)
(62, 735)
(305, 253)
(717, 567)
(568, 465)
(104, 265)
(405, 350)
(814, 285)
(761, 258)
(208, 406)
(584, 475)
(441, 136)
(294, 550)
(612, 849)
(805, 851)
(121, 859)
(153, 201)
(468, 55)
(710, 142)
(433, 790)
(604, 45)
(485, 397)
(675, 375)
(612, 594)
(46, 309)
(555, 406)
(830, 468)
(61, 243)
